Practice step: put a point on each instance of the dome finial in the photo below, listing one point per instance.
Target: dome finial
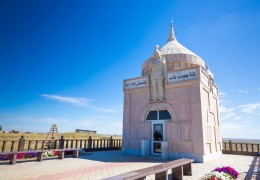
(171, 35)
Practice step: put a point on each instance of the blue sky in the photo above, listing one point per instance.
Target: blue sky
(64, 62)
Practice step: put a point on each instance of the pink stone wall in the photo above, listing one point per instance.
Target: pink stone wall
(179, 97)
(137, 102)
(194, 127)
(210, 119)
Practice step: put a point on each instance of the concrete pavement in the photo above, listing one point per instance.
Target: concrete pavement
(104, 164)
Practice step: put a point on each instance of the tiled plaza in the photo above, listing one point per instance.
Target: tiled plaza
(99, 165)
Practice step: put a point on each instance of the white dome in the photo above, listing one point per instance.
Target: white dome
(174, 52)
(174, 47)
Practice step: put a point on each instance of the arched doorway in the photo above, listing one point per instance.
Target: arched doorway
(157, 114)
(157, 120)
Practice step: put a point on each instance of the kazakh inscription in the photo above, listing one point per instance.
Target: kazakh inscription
(182, 75)
(136, 83)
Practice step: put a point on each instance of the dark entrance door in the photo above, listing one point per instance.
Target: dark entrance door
(157, 130)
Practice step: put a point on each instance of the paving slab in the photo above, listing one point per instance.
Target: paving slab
(103, 164)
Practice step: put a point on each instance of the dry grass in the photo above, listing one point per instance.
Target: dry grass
(32, 137)
(68, 135)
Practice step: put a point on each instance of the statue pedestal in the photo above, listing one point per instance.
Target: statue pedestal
(157, 101)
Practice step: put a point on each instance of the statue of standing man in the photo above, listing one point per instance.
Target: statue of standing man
(157, 69)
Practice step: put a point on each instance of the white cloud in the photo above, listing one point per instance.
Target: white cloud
(221, 93)
(235, 118)
(238, 129)
(27, 123)
(223, 109)
(249, 108)
(101, 124)
(243, 91)
(83, 102)
(108, 109)
(234, 125)
(224, 101)
(51, 120)
(227, 116)
(226, 113)
(68, 99)
(90, 122)
(240, 91)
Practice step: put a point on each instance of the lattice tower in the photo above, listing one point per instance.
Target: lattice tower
(53, 133)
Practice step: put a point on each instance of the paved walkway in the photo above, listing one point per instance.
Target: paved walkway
(104, 164)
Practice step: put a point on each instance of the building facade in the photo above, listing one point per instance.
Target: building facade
(172, 107)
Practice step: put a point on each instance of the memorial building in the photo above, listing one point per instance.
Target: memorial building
(172, 109)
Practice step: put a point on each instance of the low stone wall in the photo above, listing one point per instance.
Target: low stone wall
(241, 148)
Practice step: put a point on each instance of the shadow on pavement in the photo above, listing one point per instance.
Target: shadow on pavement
(118, 156)
(253, 171)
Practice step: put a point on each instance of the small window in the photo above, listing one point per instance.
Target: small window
(164, 115)
(158, 115)
(152, 115)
